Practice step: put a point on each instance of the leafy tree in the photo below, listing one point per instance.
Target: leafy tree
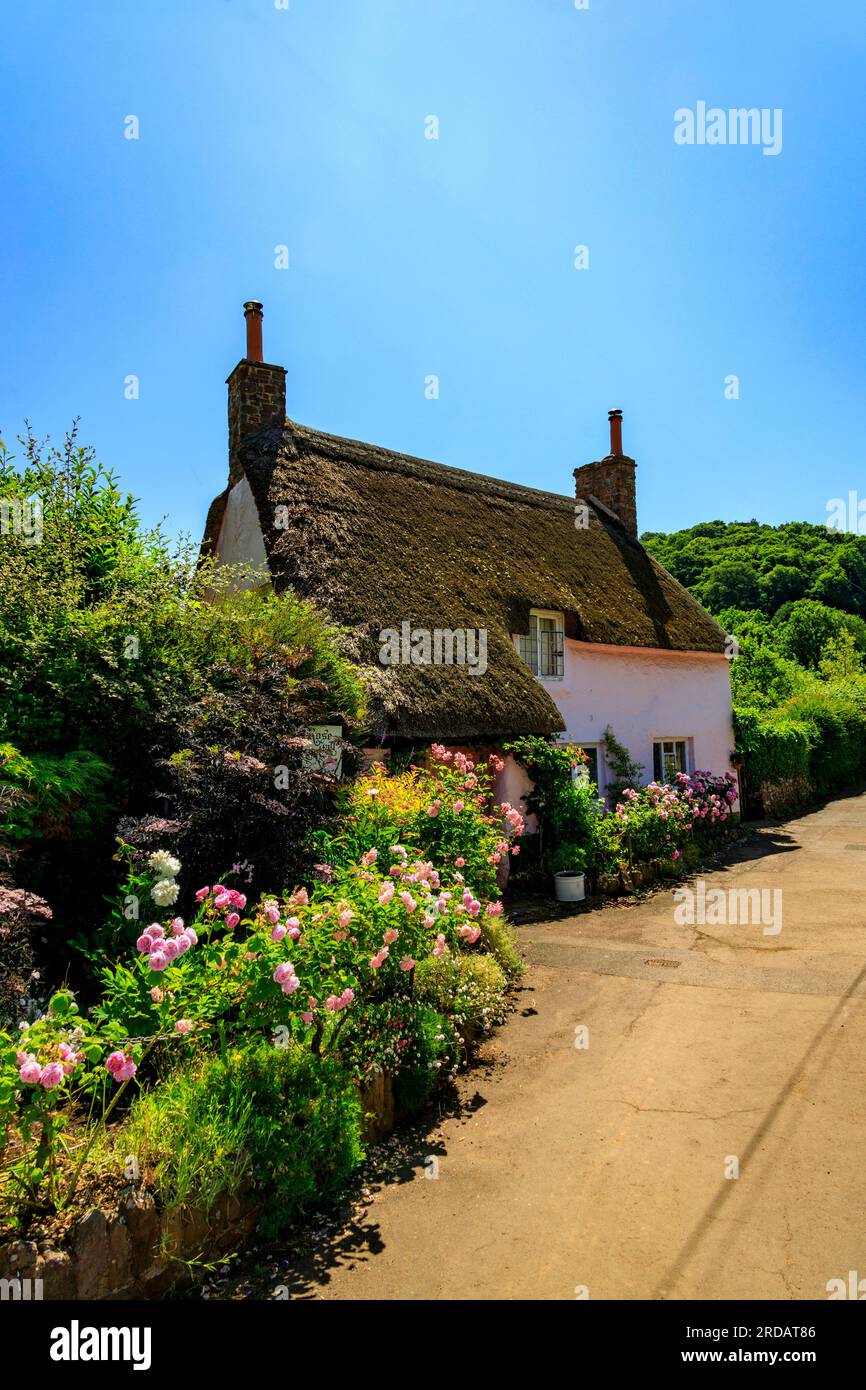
(729, 584)
(130, 671)
(806, 628)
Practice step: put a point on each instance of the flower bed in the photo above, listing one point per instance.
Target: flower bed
(246, 1051)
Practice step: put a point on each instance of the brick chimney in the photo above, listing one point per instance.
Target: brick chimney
(611, 479)
(257, 392)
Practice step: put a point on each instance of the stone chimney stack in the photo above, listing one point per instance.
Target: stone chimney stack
(612, 479)
(257, 391)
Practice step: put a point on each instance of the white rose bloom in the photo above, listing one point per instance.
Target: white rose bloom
(165, 892)
(163, 864)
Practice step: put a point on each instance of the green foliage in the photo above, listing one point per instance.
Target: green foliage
(403, 1036)
(277, 1122)
(59, 798)
(566, 807)
(722, 562)
(468, 989)
(135, 679)
(625, 772)
(805, 628)
(441, 810)
(499, 940)
(775, 749)
(798, 682)
(835, 723)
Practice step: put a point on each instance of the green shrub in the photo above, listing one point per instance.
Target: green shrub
(279, 1122)
(435, 1055)
(566, 808)
(58, 798)
(120, 651)
(468, 989)
(499, 940)
(774, 749)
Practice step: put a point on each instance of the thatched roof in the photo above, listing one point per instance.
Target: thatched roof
(377, 538)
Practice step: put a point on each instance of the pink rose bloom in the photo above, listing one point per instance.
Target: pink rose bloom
(433, 810)
(183, 1025)
(157, 995)
(347, 996)
(22, 1057)
(278, 932)
(52, 1075)
(390, 936)
(294, 932)
(515, 849)
(458, 807)
(386, 893)
(460, 861)
(156, 931)
(307, 1016)
(345, 916)
(439, 948)
(676, 854)
(191, 936)
(284, 972)
(407, 963)
(222, 899)
(379, 959)
(145, 944)
(232, 919)
(370, 857)
(30, 1072)
(300, 898)
(177, 926)
(170, 949)
(68, 1058)
(121, 1067)
(408, 902)
(201, 894)
(474, 907)
(289, 986)
(158, 961)
(395, 870)
(442, 902)
(182, 943)
(332, 1003)
(428, 920)
(238, 899)
(272, 912)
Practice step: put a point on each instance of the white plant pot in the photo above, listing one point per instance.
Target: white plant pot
(569, 887)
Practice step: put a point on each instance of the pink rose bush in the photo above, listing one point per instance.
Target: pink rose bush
(658, 820)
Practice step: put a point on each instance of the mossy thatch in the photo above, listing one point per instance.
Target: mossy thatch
(377, 538)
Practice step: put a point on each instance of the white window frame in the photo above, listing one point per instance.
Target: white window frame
(529, 645)
(660, 741)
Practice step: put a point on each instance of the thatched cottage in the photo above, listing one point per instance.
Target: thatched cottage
(481, 609)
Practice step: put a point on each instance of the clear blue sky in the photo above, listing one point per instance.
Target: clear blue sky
(408, 257)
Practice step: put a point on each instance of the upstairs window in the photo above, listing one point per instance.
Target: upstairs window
(543, 649)
(669, 758)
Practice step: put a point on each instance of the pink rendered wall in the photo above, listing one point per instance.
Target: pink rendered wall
(643, 694)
